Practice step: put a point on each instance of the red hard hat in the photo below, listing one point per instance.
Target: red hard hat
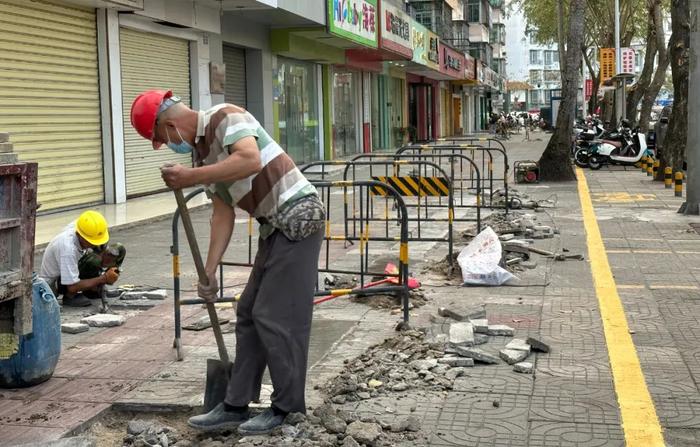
(144, 111)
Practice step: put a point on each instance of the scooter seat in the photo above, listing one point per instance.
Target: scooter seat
(614, 143)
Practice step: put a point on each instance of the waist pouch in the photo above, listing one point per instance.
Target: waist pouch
(300, 219)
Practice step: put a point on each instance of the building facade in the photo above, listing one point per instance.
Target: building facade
(326, 78)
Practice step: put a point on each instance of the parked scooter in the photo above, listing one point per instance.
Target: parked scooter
(614, 152)
(616, 138)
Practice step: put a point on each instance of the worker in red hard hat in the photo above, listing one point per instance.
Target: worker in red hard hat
(244, 167)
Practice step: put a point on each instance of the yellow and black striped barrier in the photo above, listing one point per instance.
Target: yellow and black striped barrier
(644, 163)
(650, 166)
(413, 186)
(668, 177)
(655, 172)
(678, 188)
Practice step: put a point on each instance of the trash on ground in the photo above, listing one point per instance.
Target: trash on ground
(480, 261)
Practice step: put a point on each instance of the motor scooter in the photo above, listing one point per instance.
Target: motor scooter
(613, 152)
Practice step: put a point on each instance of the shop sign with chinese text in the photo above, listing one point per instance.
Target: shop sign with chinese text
(355, 20)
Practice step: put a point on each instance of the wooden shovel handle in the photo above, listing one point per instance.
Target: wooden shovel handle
(199, 265)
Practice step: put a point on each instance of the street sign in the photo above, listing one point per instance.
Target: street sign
(607, 64)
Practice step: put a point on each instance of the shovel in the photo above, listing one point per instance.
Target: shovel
(218, 371)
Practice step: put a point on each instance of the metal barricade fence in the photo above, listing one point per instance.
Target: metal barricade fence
(487, 176)
(399, 281)
(429, 182)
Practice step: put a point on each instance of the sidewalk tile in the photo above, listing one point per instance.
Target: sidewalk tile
(574, 409)
(57, 414)
(27, 434)
(566, 434)
(91, 390)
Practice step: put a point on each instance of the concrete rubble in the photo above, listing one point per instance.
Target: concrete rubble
(142, 433)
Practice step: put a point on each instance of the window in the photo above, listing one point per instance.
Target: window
(547, 96)
(638, 59)
(550, 57)
(535, 76)
(536, 96)
(551, 75)
(535, 58)
(473, 11)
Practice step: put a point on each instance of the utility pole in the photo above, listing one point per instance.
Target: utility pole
(692, 195)
(618, 50)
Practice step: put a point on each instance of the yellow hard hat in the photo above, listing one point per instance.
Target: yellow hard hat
(92, 226)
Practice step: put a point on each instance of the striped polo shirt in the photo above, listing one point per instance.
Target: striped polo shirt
(263, 194)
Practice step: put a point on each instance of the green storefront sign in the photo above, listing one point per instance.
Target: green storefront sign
(425, 47)
(354, 20)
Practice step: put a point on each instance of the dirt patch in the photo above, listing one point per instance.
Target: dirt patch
(110, 429)
(416, 298)
(444, 268)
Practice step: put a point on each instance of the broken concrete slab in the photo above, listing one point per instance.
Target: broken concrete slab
(518, 344)
(476, 354)
(142, 304)
(204, 323)
(501, 329)
(457, 362)
(506, 237)
(424, 365)
(512, 356)
(158, 295)
(461, 334)
(523, 367)
(481, 325)
(480, 339)
(537, 345)
(530, 265)
(364, 432)
(104, 320)
(74, 328)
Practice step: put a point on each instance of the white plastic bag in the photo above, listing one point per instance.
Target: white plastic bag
(479, 261)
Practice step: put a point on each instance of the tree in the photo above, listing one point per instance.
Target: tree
(673, 153)
(554, 163)
(662, 65)
(636, 91)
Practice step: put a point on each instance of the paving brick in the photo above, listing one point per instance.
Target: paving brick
(5, 148)
(501, 329)
(518, 344)
(4, 137)
(512, 356)
(104, 320)
(523, 367)
(135, 304)
(537, 345)
(457, 361)
(481, 325)
(461, 334)
(476, 354)
(74, 328)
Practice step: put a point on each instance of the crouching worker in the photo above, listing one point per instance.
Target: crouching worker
(79, 261)
(245, 168)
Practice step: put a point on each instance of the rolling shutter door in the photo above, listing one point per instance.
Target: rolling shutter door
(150, 61)
(234, 58)
(49, 97)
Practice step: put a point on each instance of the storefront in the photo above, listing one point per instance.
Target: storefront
(50, 98)
(150, 61)
(468, 92)
(296, 108)
(236, 87)
(423, 85)
(452, 67)
(357, 23)
(384, 80)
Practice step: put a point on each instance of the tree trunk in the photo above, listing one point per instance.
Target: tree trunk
(554, 163)
(673, 153)
(595, 78)
(638, 89)
(662, 64)
(652, 91)
(560, 37)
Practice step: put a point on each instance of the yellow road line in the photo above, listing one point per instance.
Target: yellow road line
(639, 420)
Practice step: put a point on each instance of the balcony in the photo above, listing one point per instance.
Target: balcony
(478, 11)
(478, 32)
(459, 43)
(435, 15)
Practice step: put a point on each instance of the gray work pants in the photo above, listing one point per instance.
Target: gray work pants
(274, 322)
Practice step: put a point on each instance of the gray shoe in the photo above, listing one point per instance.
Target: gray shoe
(261, 424)
(218, 419)
(78, 300)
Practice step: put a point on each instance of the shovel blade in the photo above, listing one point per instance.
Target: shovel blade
(218, 374)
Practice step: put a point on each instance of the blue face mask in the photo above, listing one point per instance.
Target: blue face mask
(181, 148)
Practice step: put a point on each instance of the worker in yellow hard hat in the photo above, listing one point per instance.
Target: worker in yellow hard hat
(79, 261)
